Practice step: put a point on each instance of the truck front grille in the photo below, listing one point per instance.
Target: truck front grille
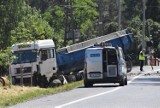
(24, 70)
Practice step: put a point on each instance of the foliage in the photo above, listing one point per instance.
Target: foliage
(32, 27)
(153, 9)
(111, 27)
(5, 61)
(11, 12)
(132, 8)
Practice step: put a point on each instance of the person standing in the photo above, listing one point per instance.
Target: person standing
(141, 59)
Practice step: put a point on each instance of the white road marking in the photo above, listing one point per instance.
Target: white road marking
(113, 90)
(60, 106)
(145, 82)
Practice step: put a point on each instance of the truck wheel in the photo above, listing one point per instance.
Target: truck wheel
(35, 79)
(43, 82)
(55, 83)
(71, 78)
(79, 76)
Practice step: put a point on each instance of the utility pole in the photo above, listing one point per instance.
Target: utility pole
(66, 23)
(100, 22)
(119, 15)
(69, 24)
(72, 22)
(143, 26)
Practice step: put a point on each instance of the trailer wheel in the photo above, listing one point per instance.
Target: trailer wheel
(71, 78)
(79, 76)
(55, 83)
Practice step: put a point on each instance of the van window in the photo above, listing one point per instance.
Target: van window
(112, 57)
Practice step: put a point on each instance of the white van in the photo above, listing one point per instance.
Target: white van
(104, 65)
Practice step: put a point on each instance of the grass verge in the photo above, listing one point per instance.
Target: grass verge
(18, 94)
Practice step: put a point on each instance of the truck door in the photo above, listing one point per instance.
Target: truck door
(47, 63)
(112, 62)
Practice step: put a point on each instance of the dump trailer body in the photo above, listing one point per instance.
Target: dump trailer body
(71, 59)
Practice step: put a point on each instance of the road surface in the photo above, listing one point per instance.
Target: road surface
(142, 91)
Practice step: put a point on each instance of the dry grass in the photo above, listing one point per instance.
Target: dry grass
(11, 95)
(16, 90)
(17, 94)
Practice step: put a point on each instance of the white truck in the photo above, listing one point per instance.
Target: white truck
(104, 64)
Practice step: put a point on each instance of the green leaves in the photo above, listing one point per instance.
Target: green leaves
(32, 27)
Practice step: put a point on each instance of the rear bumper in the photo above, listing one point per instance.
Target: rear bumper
(117, 79)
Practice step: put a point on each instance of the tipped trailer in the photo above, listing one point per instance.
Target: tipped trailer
(40, 63)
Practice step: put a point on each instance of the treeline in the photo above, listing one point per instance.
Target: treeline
(29, 20)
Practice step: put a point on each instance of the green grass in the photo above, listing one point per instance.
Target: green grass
(17, 94)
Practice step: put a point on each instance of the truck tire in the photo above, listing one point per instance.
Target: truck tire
(79, 76)
(55, 83)
(71, 78)
(43, 83)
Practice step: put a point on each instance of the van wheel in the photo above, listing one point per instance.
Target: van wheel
(87, 84)
(122, 83)
(125, 81)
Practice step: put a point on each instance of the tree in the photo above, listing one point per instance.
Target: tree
(132, 8)
(11, 12)
(153, 10)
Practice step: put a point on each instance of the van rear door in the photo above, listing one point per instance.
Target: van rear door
(94, 63)
(110, 62)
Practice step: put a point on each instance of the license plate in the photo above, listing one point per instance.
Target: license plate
(95, 75)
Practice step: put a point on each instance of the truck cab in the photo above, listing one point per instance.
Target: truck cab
(104, 65)
(33, 58)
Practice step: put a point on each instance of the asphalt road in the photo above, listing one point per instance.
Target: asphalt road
(142, 91)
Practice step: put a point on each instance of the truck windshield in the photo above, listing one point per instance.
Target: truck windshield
(25, 56)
